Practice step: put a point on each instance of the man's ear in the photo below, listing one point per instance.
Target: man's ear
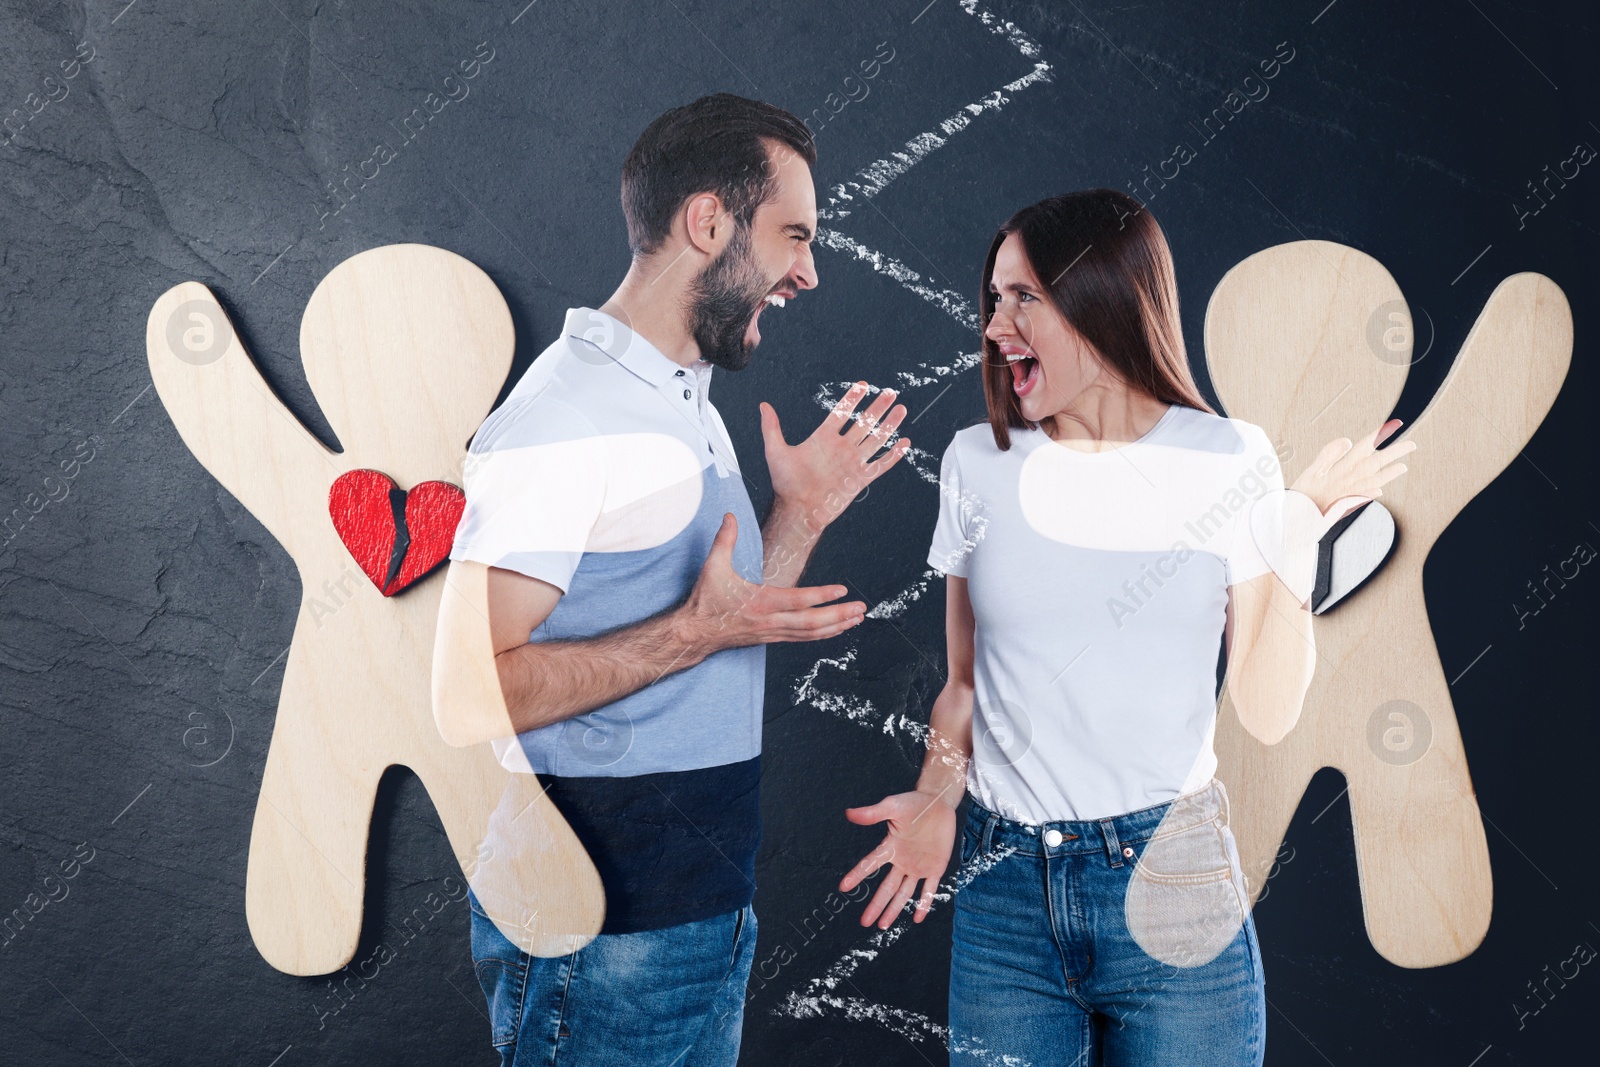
(709, 225)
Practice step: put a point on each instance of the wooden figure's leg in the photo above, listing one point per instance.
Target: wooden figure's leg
(1426, 885)
(308, 848)
(525, 865)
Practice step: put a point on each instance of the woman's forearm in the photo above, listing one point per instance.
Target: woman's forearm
(1270, 686)
(944, 768)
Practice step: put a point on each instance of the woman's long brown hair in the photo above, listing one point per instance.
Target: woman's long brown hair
(1112, 280)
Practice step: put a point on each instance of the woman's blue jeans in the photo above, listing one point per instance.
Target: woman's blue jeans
(1106, 942)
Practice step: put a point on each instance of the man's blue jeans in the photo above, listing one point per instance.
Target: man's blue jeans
(672, 997)
(1106, 942)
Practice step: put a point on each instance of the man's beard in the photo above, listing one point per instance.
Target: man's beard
(722, 300)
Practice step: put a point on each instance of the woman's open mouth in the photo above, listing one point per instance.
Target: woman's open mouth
(1024, 373)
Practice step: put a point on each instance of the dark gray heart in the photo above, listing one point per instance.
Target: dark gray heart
(1351, 552)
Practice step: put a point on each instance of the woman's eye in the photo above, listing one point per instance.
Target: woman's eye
(1024, 296)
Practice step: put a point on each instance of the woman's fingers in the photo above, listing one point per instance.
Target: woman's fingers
(867, 814)
(869, 863)
(886, 891)
(1386, 475)
(1388, 429)
(1352, 467)
(925, 902)
(1332, 453)
(908, 885)
(1367, 449)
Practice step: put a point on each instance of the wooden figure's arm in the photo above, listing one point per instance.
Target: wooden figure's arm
(1503, 382)
(231, 420)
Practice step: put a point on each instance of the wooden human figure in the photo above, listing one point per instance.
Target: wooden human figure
(405, 348)
(1310, 340)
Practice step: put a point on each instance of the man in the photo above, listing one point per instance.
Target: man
(631, 593)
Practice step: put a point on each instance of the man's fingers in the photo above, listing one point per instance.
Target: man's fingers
(720, 557)
(776, 598)
(846, 404)
(812, 624)
(728, 532)
(888, 459)
(868, 420)
(882, 433)
(771, 429)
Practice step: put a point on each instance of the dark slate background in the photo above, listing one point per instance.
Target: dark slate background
(144, 614)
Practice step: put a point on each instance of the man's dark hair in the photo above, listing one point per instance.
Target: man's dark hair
(717, 144)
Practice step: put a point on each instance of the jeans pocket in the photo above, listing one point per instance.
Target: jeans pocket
(502, 971)
(969, 844)
(1183, 904)
(744, 933)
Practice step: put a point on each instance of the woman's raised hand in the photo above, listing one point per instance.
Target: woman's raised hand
(922, 833)
(1345, 470)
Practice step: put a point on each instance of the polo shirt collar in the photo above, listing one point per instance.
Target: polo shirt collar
(626, 347)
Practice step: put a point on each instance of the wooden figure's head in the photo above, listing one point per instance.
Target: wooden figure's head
(405, 348)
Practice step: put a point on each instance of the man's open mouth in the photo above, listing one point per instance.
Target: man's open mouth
(777, 298)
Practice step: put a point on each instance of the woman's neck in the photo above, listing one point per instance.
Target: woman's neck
(1098, 420)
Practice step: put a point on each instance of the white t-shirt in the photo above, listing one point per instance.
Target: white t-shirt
(1098, 584)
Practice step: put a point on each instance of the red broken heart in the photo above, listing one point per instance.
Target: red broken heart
(396, 537)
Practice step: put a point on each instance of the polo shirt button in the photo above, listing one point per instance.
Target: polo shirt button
(1127, 850)
(1052, 838)
(686, 394)
(679, 373)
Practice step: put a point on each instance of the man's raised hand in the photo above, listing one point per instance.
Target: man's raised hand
(821, 475)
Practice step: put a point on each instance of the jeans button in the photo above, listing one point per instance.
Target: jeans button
(1052, 838)
(1127, 850)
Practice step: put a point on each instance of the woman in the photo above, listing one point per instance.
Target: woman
(1100, 535)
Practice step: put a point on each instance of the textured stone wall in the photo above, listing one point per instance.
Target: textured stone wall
(144, 615)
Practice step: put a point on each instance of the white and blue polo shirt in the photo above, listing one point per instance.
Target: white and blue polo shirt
(606, 473)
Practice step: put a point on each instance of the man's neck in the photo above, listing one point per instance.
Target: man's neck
(651, 301)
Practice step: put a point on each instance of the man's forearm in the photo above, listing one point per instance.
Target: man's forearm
(788, 536)
(547, 681)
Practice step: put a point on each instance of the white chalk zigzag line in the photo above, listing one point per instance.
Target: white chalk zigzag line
(868, 182)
